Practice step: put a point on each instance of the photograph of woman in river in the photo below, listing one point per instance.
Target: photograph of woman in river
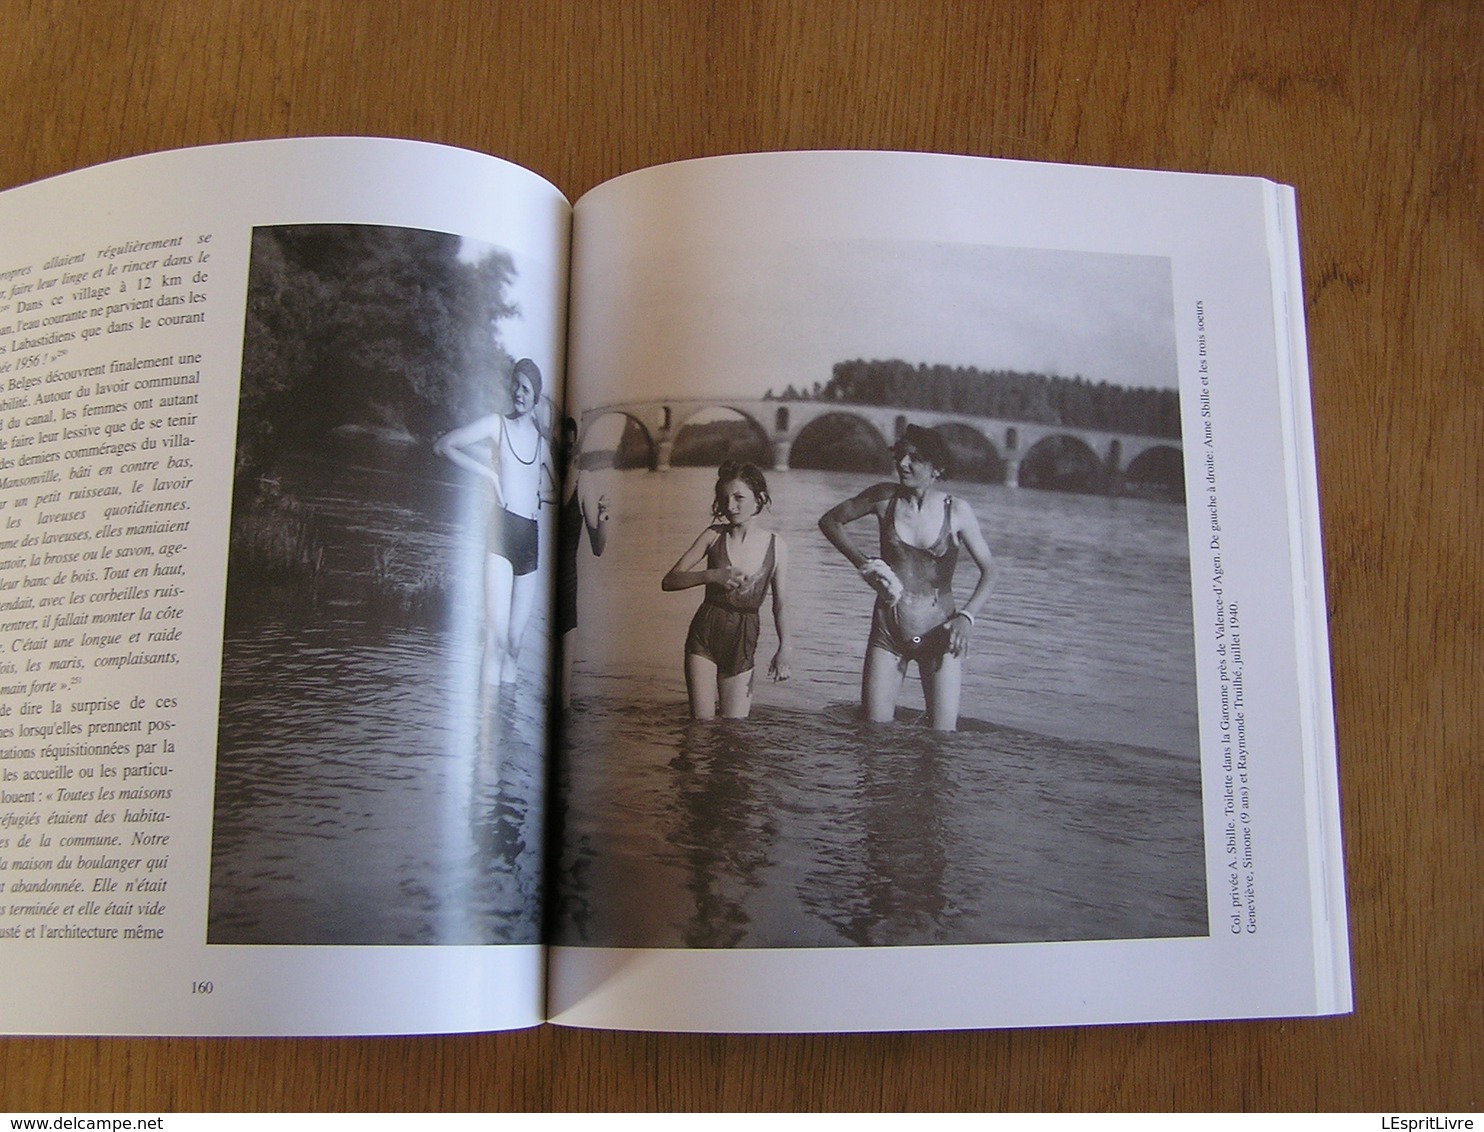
(1042, 781)
(915, 618)
(366, 790)
(511, 451)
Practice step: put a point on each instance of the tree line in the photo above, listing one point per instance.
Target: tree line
(1008, 394)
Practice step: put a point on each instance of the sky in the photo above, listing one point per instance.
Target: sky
(533, 332)
(743, 319)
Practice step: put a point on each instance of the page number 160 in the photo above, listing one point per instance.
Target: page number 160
(204, 986)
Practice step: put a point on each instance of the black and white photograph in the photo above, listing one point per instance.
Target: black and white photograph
(889, 638)
(386, 659)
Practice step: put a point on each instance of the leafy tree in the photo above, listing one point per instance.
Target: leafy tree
(371, 326)
(1006, 394)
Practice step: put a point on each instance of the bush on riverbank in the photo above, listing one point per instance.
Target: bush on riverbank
(278, 557)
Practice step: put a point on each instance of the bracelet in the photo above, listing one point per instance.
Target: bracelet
(964, 613)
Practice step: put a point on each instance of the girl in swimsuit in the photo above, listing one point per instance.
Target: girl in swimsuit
(738, 561)
(915, 617)
(511, 452)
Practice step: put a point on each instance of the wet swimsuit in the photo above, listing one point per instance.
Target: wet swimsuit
(569, 531)
(513, 537)
(725, 628)
(916, 627)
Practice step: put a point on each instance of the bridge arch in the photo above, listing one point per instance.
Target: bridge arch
(615, 438)
(1158, 471)
(724, 434)
(841, 441)
(1060, 462)
(975, 457)
(1079, 458)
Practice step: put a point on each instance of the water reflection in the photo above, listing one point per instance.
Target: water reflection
(813, 829)
(1067, 807)
(369, 791)
(889, 882)
(720, 830)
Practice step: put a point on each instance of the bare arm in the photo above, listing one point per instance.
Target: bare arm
(454, 446)
(966, 527)
(689, 569)
(781, 666)
(833, 522)
(548, 474)
(596, 523)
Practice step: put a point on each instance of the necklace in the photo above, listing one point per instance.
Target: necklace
(505, 439)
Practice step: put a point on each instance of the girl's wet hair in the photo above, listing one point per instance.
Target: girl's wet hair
(748, 473)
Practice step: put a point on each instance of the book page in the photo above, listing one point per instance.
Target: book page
(262, 771)
(946, 663)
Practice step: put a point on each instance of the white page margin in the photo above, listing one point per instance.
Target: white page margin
(94, 987)
(1215, 233)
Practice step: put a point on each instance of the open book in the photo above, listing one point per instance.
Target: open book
(380, 532)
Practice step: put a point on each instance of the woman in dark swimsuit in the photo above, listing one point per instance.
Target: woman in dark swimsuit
(739, 562)
(915, 618)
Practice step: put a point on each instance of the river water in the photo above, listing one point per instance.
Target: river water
(369, 791)
(1066, 807)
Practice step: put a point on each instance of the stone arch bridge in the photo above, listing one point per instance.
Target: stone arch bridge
(781, 423)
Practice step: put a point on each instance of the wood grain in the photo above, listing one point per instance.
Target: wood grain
(1371, 109)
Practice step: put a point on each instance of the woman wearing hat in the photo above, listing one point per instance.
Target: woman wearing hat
(916, 617)
(510, 451)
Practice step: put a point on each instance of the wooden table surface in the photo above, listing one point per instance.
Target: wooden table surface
(1371, 109)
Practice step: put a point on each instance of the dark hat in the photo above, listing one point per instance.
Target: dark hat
(526, 368)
